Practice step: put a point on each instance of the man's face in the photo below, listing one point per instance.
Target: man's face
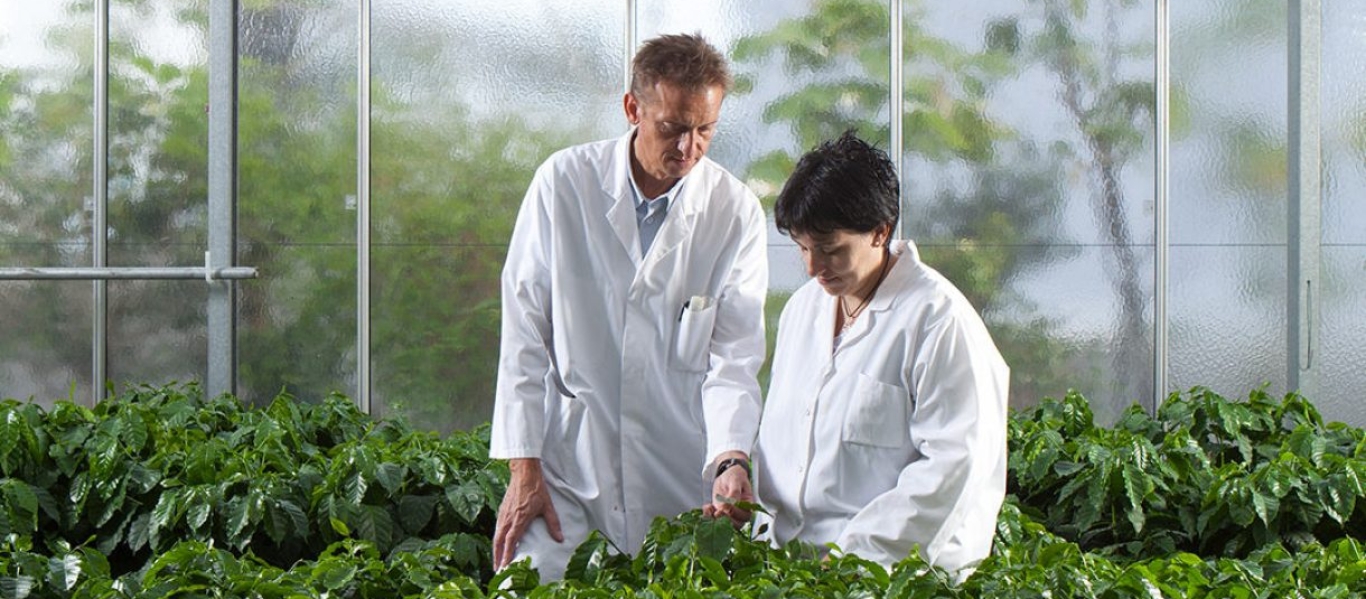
(674, 126)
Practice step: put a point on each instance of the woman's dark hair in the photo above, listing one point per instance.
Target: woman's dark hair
(842, 184)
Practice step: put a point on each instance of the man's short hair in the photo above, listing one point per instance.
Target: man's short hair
(842, 184)
(684, 60)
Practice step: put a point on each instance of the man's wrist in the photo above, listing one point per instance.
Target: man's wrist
(728, 463)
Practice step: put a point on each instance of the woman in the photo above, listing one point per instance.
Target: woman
(884, 426)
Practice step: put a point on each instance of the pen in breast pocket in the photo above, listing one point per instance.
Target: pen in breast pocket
(683, 309)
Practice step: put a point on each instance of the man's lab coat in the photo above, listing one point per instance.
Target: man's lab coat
(898, 438)
(627, 374)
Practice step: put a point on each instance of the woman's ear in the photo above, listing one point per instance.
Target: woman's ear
(882, 235)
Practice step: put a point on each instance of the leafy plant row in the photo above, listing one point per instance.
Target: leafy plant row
(692, 557)
(1203, 475)
(162, 489)
(145, 471)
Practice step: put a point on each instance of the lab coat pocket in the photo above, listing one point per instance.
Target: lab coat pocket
(877, 414)
(692, 341)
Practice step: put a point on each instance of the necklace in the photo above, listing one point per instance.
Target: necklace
(851, 315)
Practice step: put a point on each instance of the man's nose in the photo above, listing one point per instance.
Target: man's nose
(687, 144)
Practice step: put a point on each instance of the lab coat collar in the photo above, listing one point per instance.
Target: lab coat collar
(677, 227)
(888, 293)
(897, 278)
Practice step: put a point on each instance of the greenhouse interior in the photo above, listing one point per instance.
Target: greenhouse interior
(293, 215)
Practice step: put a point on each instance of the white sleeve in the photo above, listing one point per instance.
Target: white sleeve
(947, 500)
(731, 402)
(526, 339)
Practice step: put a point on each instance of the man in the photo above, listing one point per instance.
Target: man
(632, 325)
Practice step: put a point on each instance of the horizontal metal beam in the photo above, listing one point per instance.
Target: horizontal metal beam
(128, 273)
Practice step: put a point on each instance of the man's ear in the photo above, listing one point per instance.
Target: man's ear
(632, 107)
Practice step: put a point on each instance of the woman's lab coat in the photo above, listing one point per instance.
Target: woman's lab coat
(898, 439)
(627, 374)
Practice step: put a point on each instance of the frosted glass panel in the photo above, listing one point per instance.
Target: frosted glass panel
(1069, 328)
(46, 124)
(297, 324)
(158, 133)
(1028, 165)
(1342, 338)
(1343, 104)
(1228, 139)
(158, 332)
(469, 98)
(435, 337)
(297, 199)
(1227, 312)
(45, 340)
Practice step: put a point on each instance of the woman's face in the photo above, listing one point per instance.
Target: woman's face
(843, 262)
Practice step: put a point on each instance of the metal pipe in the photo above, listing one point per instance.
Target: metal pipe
(222, 203)
(129, 273)
(1162, 151)
(363, 210)
(1304, 194)
(631, 39)
(99, 228)
(895, 88)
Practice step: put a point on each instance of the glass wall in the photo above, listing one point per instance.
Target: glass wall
(1029, 169)
(46, 128)
(1027, 151)
(157, 187)
(296, 206)
(468, 99)
(1343, 301)
(1228, 196)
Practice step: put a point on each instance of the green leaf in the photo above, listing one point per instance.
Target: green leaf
(714, 538)
(586, 562)
(391, 477)
(415, 511)
(467, 499)
(333, 574)
(340, 527)
(65, 571)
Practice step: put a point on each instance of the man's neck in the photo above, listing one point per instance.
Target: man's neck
(650, 187)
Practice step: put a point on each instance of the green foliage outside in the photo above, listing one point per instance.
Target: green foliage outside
(175, 494)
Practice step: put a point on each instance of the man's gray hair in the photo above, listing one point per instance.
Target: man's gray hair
(684, 60)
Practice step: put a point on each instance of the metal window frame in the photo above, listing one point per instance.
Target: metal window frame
(1305, 194)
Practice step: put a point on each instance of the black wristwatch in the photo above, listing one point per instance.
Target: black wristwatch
(728, 462)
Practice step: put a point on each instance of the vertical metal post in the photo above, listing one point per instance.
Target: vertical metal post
(895, 88)
(363, 210)
(1161, 255)
(1305, 195)
(222, 316)
(628, 51)
(99, 205)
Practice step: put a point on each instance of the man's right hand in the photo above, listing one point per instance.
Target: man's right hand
(527, 499)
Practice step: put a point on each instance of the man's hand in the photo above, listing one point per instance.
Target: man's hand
(527, 499)
(730, 487)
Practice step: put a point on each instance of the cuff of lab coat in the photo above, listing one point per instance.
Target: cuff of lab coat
(514, 452)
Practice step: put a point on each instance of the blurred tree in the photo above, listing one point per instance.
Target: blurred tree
(981, 237)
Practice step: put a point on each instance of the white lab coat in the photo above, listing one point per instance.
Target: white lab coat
(898, 439)
(612, 371)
